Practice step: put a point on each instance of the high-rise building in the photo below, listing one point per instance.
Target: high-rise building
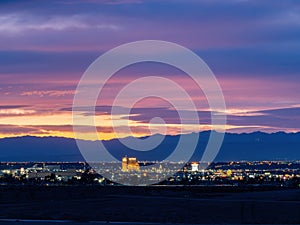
(130, 164)
(124, 164)
(195, 166)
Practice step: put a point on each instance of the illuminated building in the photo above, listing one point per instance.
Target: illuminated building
(195, 167)
(124, 164)
(229, 172)
(22, 171)
(130, 164)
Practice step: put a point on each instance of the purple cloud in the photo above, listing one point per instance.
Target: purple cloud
(253, 47)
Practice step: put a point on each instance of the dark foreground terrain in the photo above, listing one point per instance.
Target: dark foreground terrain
(157, 204)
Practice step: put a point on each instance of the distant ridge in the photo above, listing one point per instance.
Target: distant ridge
(236, 147)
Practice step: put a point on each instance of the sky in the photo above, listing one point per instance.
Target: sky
(252, 47)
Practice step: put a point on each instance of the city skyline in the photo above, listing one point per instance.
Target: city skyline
(45, 49)
(150, 112)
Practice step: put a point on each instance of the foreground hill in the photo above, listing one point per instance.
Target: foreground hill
(148, 205)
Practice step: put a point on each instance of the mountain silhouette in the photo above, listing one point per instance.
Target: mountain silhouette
(236, 147)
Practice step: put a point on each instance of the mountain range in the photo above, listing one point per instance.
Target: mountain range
(246, 146)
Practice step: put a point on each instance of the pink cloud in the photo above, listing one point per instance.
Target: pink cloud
(51, 93)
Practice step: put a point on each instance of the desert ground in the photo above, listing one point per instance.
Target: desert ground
(153, 204)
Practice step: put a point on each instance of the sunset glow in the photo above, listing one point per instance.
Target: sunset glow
(46, 47)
